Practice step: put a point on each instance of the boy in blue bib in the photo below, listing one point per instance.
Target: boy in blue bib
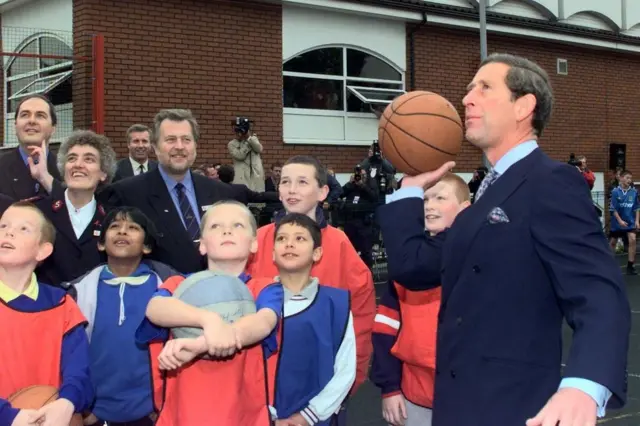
(624, 217)
(314, 363)
(113, 298)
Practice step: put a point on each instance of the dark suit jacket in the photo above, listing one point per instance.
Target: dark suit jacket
(16, 180)
(246, 195)
(506, 288)
(149, 193)
(5, 202)
(72, 257)
(124, 169)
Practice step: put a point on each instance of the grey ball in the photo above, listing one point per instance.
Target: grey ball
(226, 295)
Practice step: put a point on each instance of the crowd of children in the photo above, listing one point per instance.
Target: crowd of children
(104, 339)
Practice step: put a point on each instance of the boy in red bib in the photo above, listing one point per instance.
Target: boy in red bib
(224, 392)
(404, 334)
(43, 323)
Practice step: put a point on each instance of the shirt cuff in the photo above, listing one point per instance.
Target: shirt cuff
(599, 393)
(72, 395)
(407, 192)
(309, 416)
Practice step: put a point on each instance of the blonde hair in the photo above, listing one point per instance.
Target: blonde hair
(459, 186)
(47, 230)
(252, 219)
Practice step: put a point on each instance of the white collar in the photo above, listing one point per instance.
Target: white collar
(89, 207)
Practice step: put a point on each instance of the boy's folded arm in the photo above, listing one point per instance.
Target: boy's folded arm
(7, 413)
(328, 401)
(171, 312)
(255, 327)
(76, 384)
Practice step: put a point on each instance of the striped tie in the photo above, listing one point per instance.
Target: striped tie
(190, 221)
(488, 180)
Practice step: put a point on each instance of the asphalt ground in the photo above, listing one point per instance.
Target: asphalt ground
(365, 407)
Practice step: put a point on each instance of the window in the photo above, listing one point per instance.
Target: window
(27, 75)
(340, 79)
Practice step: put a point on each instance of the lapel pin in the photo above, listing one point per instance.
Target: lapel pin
(166, 211)
(96, 233)
(57, 205)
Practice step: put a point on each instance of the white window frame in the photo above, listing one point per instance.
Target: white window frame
(57, 80)
(9, 115)
(367, 100)
(344, 78)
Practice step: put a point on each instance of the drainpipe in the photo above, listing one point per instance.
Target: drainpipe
(412, 52)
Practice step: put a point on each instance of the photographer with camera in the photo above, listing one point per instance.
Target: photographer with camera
(360, 199)
(580, 163)
(245, 150)
(380, 170)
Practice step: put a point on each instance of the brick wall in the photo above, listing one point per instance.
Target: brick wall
(217, 58)
(594, 104)
(3, 107)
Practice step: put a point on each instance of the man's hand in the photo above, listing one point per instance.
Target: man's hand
(178, 352)
(23, 418)
(568, 407)
(394, 410)
(57, 413)
(623, 223)
(37, 160)
(297, 420)
(89, 420)
(220, 337)
(428, 179)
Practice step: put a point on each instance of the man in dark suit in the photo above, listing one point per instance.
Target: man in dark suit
(139, 144)
(527, 254)
(35, 123)
(171, 196)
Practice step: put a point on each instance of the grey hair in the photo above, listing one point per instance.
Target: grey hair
(99, 142)
(136, 128)
(174, 115)
(526, 77)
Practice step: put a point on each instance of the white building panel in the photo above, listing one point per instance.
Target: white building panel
(36, 16)
(518, 8)
(305, 29)
(631, 15)
(609, 10)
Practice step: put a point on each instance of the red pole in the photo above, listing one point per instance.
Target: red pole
(98, 84)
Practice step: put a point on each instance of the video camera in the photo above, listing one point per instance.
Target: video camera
(241, 125)
(357, 175)
(573, 161)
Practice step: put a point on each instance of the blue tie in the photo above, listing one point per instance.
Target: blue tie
(190, 221)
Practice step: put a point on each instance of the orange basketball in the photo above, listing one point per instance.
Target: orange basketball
(419, 132)
(35, 397)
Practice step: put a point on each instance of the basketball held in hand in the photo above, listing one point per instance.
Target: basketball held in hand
(36, 397)
(419, 132)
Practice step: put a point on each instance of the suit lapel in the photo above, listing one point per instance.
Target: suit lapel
(18, 173)
(94, 228)
(463, 234)
(62, 221)
(161, 201)
(127, 168)
(204, 197)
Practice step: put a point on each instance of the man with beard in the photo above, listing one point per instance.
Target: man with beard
(171, 196)
(138, 162)
(23, 170)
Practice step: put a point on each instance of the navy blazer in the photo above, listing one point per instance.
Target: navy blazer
(506, 288)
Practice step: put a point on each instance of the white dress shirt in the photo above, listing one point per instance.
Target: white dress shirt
(80, 218)
(136, 166)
